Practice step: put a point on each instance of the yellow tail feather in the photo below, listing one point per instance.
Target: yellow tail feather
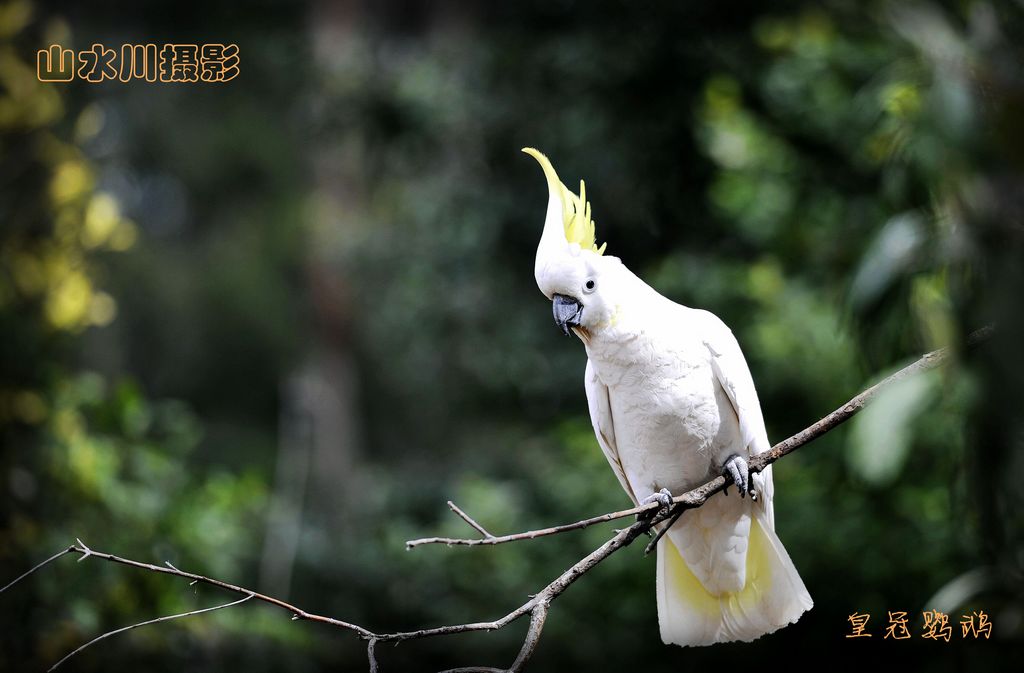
(772, 596)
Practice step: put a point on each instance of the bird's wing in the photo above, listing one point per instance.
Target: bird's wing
(601, 418)
(733, 375)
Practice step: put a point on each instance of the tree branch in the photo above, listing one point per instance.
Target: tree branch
(151, 621)
(468, 519)
(296, 612)
(37, 567)
(538, 606)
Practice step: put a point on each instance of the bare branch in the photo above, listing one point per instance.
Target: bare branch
(297, 613)
(537, 619)
(648, 517)
(848, 410)
(530, 534)
(53, 558)
(371, 645)
(468, 519)
(151, 621)
(664, 529)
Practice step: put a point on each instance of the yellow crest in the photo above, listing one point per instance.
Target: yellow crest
(579, 228)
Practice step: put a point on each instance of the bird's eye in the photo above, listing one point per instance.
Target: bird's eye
(589, 286)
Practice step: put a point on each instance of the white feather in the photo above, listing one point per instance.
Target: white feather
(604, 426)
(671, 398)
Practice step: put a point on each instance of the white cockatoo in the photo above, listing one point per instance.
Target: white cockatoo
(673, 405)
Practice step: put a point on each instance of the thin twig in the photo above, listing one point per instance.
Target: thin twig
(296, 612)
(53, 558)
(468, 519)
(530, 534)
(664, 529)
(145, 623)
(848, 410)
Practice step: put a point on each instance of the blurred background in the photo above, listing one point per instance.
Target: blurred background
(263, 329)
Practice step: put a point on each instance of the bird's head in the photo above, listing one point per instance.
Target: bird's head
(571, 270)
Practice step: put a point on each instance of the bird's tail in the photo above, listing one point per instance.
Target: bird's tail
(772, 597)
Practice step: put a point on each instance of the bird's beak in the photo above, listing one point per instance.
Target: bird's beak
(567, 312)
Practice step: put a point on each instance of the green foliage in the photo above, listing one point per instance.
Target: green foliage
(86, 454)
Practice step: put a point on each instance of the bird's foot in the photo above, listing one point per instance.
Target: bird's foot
(662, 497)
(736, 470)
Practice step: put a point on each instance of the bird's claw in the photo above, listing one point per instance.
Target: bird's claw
(662, 497)
(735, 469)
